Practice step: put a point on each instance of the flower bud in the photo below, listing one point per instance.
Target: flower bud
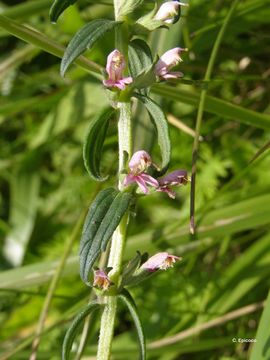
(167, 61)
(169, 12)
(101, 280)
(160, 261)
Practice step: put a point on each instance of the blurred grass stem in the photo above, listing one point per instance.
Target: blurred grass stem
(49, 297)
(200, 112)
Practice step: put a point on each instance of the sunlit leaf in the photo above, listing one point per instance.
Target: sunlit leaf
(84, 39)
(104, 215)
(159, 120)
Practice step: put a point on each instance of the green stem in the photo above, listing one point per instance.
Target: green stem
(117, 246)
(124, 135)
(119, 236)
(207, 77)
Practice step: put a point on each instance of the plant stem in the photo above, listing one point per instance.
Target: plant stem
(119, 236)
(207, 77)
(124, 135)
(116, 252)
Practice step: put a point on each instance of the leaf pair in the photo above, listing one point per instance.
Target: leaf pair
(94, 306)
(92, 149)
(140, 60)
(103, 217)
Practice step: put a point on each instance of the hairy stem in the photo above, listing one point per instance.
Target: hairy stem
(124, 135)
(119, 236)
(207, 77)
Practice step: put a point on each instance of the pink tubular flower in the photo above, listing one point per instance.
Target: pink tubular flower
(142, 181)
(160, 261)
(177, 177)
(167, 61)
(139, 162)
(169, 12)
(115, 67)
(101, 280)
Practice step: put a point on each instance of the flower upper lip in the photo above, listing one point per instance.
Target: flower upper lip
(167, 61)
(115, 67)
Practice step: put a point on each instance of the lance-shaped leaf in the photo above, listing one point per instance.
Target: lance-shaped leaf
(129, 302)
(74, 327)
(104, 215)
(58, 7)
(84, 39)
(159, 120)
(139, 56)
(92, 148)
(141, 65)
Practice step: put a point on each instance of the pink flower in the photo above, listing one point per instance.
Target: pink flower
(115, 67)
(169, 12)
(142, 181)
(101, 280)
(160, 261)
(140, 162)
(167, 61)
(177, 177)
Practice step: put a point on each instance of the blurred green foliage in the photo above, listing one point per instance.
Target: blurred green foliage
(45, 188)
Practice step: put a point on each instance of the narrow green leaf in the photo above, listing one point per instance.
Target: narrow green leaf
(261, 349)
(84, 39)
(139, 56)
(94, 217)
(58, 7)
(113, 218)
(215, 106)
(74, 327)
(141, 64)
(159, 120)
(93, 144)
(103, 217)
(129, 302)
